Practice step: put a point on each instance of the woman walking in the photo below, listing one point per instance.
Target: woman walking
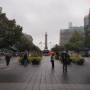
(52, 60)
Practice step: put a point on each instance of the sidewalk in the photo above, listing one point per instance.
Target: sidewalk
(42, 77)
(23, 86)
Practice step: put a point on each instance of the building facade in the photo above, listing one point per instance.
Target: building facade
(66, 34)
(87, 30)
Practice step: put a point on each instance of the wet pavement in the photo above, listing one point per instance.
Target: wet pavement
(43, 77)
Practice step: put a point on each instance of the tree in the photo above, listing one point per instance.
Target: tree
(57, 48)
(10, 33)
(76, 42)
(24, 44)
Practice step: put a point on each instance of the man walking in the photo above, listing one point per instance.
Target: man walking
(64, 57)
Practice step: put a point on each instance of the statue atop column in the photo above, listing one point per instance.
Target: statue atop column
(46, 51)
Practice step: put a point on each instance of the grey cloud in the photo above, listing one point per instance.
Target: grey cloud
(40, 16)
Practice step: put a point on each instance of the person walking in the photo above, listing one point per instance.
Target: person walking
(25, 59)
(7, 58)
(64, 58)
(52, 60)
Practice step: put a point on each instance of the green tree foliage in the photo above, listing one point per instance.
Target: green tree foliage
(76, 42)
(11, 35)
(9, 32)
(57, 48)
(24, 44)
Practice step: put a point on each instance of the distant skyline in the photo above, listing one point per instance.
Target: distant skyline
(40, 16)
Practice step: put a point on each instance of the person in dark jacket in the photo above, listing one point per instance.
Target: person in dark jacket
(7, 58)
(52, 61)
(64, 57)
(25, 57)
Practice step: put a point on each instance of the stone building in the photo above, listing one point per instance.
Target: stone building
(66, 34)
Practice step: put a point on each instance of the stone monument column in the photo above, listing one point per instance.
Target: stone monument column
(46, 41)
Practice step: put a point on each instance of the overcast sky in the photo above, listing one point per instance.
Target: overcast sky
(40, 16)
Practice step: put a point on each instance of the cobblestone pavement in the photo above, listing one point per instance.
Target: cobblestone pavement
(42, 77)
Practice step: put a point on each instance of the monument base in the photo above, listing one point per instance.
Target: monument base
(46, 52)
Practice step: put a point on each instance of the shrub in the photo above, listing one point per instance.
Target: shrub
(21, 60)
(80, 62)
(35, 60)
(77, 59)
